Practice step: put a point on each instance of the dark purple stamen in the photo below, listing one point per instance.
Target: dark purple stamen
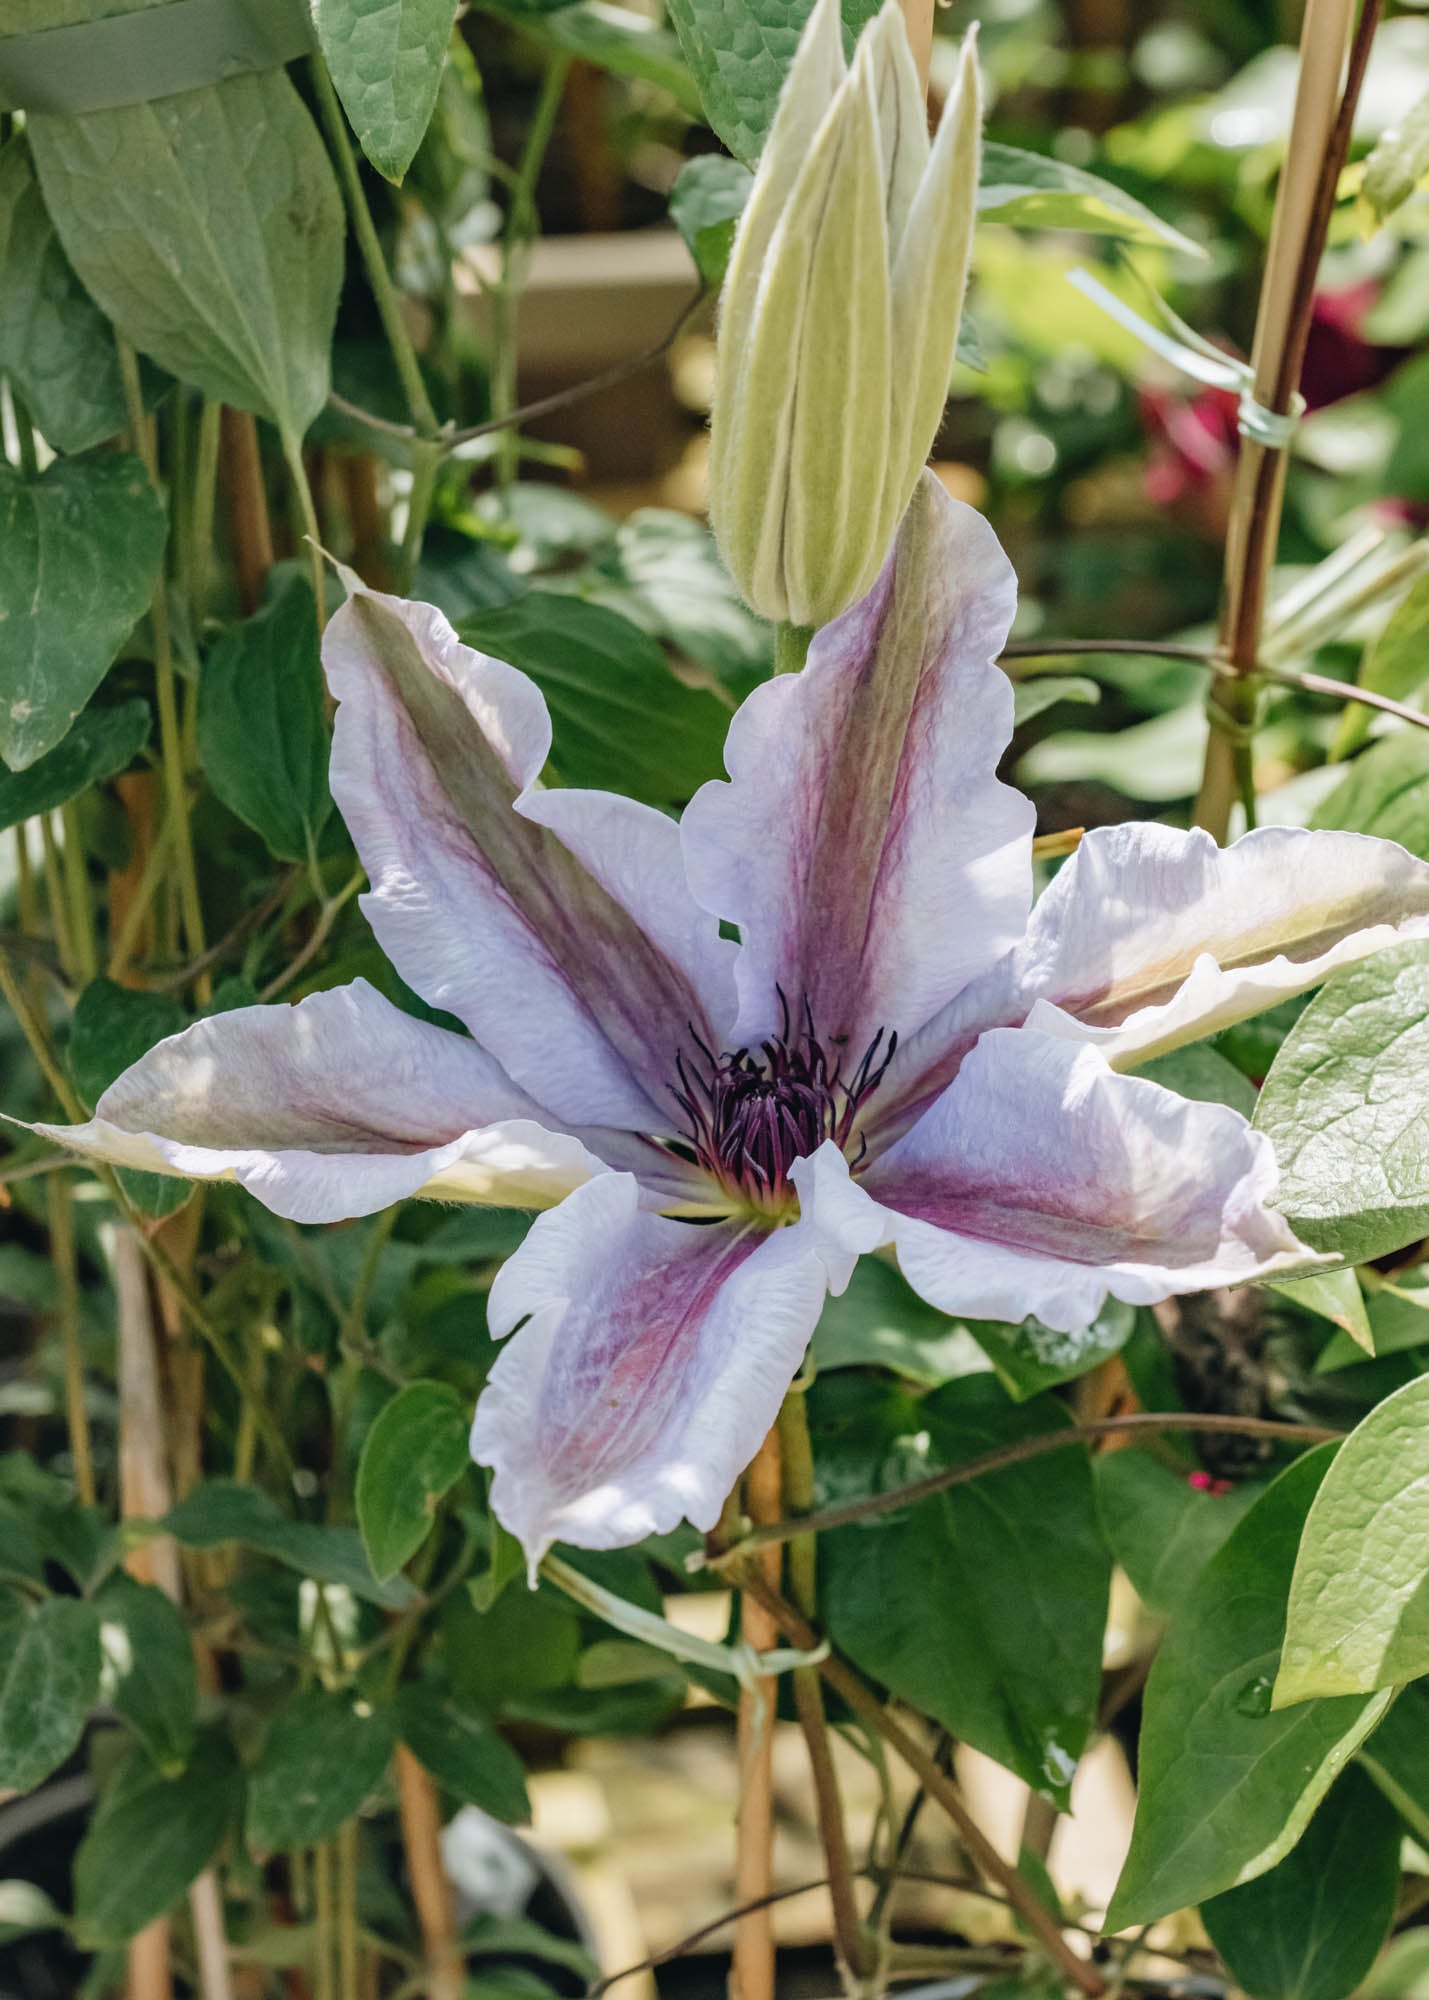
(750, 1116)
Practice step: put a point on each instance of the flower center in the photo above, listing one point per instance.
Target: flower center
(750, 1115)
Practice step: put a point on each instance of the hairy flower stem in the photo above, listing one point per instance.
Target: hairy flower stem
(797, 1463)
(791, 647)
(1319, 142)
(939, 1787)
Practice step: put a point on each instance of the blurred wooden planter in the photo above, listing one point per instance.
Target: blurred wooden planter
(590, 302)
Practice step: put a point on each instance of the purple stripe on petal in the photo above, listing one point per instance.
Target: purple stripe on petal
(1150, 937)
(863, 844)
(650, 1362)
(563, 934)
(1041, 1180)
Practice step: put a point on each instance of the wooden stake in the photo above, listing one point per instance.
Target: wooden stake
(145, 1490)
(431, 1891)
(240, 470)
(1296, 242)
(751, 1972)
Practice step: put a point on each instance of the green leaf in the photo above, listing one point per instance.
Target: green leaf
(1030, 191)
(1346, 1107)
(488, 1936)
(739, 51)
(385, 58)
(1162, 1531)
(262, 736)
(1336, 1297)
(1311, 1928)
(209, 227)
(149, 1672)
(150, 1837)
(223, 1511)
(678, 589)
(1031, 1357)
(527, 1643)
(1042, 691)
(621, 719)
(985, 1606)
(1386, 792)
(1397, 1757)
(1227, 1785)
(323, 1756)
(103, 742)
(1398, 662)
(1359, 1604)
(49, 1681)
(55, 344)
(1201, 1073)
(111, 1027)
(614, 38)
(80, 548)
(415, 1452)
(880, 1321)
(1398, 163)
(463, 1752)
(706, 203)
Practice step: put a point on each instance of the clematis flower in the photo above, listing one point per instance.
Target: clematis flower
(839, 320)
(900, 1052)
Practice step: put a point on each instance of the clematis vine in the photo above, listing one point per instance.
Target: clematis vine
(899, 1053)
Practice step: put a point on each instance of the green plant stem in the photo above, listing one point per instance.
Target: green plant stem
(81, 908)
(896, 1497)
(521, 224)
(198, 556)
(791, 647)
(796, 1458)
(170, 737)
(312, 534)
(122, 942)
(38, 1042)
(384, 292)
(427, 462)
(62, 1252)
(55, 898)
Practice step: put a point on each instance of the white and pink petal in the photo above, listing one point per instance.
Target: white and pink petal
(334, 1108)
(863, 844)
(1041, 1181)
(558, 927)
(1149, 937)
(648, 1362)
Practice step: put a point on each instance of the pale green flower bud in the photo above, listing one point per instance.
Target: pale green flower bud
(840, 318)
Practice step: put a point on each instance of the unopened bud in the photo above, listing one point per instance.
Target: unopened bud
(839, 322)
